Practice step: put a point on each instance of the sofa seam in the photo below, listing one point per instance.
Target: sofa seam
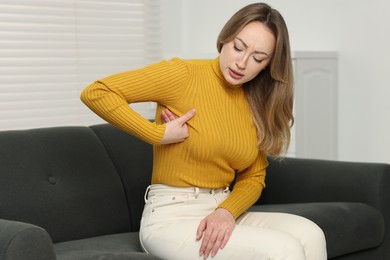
(101, 137)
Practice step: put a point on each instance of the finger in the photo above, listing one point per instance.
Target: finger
(165, 116)
(187, 116)
(201, 228)
(221, 241)
(226, 238)
(211, 243)
(171, 115)
(205, 242)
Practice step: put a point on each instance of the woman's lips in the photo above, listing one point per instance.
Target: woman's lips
(234, 74)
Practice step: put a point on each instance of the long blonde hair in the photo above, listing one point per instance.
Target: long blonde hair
(270, 94)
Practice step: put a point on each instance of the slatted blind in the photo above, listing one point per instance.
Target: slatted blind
(51, 49)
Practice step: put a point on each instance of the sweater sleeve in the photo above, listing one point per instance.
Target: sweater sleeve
(248, 187)
(110, 97)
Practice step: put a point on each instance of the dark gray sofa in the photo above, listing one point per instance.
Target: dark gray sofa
(77, 193)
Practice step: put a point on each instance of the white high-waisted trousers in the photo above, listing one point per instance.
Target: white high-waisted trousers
(172, 215)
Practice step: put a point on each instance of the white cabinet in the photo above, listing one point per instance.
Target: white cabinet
(315, 108)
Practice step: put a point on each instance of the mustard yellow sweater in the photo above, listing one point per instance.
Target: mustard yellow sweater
(222, 136)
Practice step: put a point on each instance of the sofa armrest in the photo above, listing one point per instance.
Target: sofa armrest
(297, 180)
(21, 241)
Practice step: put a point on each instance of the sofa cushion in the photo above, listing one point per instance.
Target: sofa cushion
(61, 179)
(116, 246)
(348, 227)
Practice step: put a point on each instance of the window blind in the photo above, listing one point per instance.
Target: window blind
(51, 49)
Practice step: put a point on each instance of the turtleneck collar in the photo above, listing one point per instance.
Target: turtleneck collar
(218, 72)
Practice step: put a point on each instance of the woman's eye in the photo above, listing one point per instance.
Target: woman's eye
(257, 60)
(235, 48)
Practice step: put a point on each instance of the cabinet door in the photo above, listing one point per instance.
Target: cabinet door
(315, 105)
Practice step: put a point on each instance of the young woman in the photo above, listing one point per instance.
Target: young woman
(214, 119)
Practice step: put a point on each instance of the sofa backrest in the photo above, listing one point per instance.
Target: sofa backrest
(133, 160)
(63, 180)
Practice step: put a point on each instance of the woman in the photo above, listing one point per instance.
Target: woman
(243, 105)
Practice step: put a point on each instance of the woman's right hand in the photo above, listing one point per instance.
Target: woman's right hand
(176, 128)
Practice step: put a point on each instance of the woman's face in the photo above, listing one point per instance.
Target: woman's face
(246, 55)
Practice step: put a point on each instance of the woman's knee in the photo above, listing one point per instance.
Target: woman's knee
(309, 234)
(313, 240)
(262, 243)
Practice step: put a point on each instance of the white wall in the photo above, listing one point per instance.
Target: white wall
(358, 30)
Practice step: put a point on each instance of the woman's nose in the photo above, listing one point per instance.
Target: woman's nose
(241, 62)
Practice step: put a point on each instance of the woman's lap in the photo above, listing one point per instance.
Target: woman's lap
(169, 224)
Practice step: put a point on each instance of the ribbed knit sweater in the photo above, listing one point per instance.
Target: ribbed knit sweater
(222, 136)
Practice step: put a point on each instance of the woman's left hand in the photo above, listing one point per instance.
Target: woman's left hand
(216, 230)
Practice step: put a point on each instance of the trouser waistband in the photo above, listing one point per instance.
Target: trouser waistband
(155, 189)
